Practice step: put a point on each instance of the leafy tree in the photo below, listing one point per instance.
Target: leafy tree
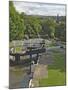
(48, 27)
(21, 25)
(33, 26)
(16, 23)
(61, 31)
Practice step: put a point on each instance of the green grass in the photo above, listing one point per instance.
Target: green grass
(59, 62)
(18, 49)
(56, 72)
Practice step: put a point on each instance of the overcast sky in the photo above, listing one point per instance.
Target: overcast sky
(31, 8)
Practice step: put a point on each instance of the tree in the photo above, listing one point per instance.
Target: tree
(16, 23)
(48, 27)
(21, 24)
(61, 31)
(33, 26)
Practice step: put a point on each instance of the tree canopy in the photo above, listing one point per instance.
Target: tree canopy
(21, 25)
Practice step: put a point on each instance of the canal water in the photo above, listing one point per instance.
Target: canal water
(18, 77)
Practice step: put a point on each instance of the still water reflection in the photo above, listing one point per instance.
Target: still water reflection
(18, 77)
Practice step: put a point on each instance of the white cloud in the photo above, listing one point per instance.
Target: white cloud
(39, 8)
